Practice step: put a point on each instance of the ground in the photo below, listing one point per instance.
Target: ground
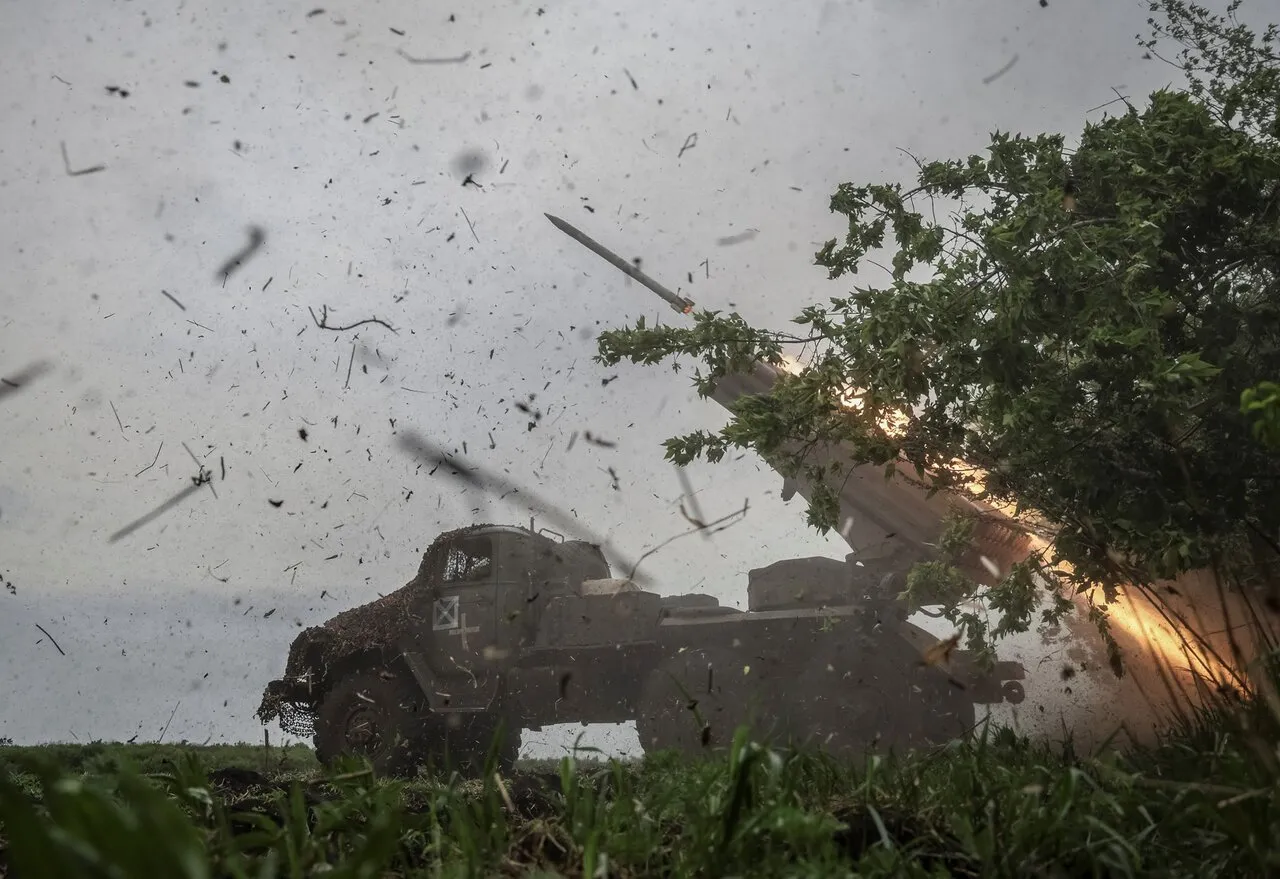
(1201, 804)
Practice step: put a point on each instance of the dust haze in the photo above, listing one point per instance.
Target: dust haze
(250, 250)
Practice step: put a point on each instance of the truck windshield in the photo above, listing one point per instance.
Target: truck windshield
(469, 560)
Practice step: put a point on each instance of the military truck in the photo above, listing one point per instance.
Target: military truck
(506, 628)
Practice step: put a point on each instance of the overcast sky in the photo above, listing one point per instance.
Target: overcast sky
(316, 128)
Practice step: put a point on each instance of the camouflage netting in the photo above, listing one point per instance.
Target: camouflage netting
(465, 529)
(297, 719)
(375, 626)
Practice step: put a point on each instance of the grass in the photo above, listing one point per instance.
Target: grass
(1204, 802)
(107, 758)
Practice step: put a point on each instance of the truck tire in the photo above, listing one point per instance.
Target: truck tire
(374, 713)
(694, 702)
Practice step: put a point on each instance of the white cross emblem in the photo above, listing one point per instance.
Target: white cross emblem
(464, 631)
(446, 613)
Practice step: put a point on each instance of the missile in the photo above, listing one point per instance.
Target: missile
(679, 303)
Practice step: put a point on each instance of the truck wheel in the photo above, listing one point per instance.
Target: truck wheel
(373, 713)
(694, 702)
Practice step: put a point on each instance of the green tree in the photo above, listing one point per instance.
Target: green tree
(1085, 327)
(1262, 405)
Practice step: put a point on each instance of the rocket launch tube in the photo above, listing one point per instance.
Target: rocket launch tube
(878, 516)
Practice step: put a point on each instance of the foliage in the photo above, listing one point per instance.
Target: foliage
(1202, 803)
(1080, 333)
(1262, 405)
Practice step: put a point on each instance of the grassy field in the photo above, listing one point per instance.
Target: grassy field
(1203, 803)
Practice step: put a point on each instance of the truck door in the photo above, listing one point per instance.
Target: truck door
(464, 612)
